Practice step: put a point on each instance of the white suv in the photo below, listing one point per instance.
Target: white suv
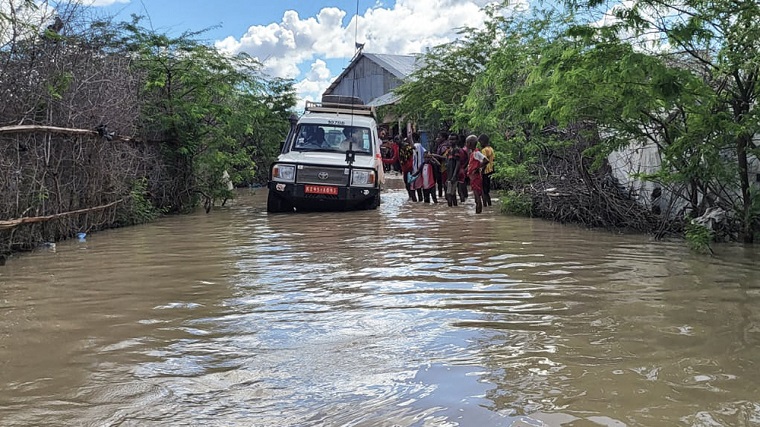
(330, 160)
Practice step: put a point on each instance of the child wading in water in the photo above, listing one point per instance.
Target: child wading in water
(406, 158)
(487, 150)
(453, 167)
(477, 162)
(464, 154)
(428, 177)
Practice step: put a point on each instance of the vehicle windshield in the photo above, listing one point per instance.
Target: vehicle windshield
(332, 138)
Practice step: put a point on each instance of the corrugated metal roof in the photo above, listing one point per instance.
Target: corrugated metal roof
(400, 66)
(388, 98)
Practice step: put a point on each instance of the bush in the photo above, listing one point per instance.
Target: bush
(137, 209)
(698, 237)
(516, 203)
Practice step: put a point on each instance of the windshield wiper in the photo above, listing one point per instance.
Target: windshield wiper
(316, 149)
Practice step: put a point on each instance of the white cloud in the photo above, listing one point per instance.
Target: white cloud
(282, 46)
(652, 40)
(319, 71)
(316, 81)
(29, 21)
(409, 26)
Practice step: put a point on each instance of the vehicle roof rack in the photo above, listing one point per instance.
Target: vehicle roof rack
(342, 99)
(332, 107)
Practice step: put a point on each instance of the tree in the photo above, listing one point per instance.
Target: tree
(434, 94)
(105, 124)
(706, 84)
(508, 98)
(205, 108)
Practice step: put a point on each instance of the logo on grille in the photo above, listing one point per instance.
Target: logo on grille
(323, 175)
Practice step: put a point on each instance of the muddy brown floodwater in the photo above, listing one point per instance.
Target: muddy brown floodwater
(411, 315)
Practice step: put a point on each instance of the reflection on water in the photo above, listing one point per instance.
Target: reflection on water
(412, 315)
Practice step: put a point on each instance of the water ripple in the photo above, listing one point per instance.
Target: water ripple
(411, 315)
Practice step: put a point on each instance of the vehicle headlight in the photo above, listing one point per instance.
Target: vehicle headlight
(284, 173)
(363, 177)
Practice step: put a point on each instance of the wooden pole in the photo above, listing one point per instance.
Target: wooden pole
(12, 223)
(55, 129)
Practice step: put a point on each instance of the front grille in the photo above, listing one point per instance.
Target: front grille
(329, 175)
(320, 196)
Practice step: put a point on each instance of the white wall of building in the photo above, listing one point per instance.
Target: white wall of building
(638, 159)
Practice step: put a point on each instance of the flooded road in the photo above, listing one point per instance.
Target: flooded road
(411, 315)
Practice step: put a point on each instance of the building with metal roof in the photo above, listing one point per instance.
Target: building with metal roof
(373, 76)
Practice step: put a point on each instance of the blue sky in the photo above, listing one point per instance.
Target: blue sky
(231, 16)
(310, 41)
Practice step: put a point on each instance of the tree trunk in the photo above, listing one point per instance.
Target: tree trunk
(748, 232)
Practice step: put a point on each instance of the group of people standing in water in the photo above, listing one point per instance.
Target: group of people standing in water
(444, 169)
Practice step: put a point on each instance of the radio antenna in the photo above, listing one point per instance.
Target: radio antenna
(356, 26)
(356, 53)
(350, 155)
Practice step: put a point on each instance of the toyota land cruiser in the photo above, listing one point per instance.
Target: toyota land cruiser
(330, 160)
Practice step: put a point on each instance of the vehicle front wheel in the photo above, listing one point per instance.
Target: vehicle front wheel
(276, 204)
(373, 203)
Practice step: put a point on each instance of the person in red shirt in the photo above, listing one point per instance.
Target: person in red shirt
(464, 154)
(389, 151)
(429, 178)
(406, 158)
(392, 160)
(475, 165)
